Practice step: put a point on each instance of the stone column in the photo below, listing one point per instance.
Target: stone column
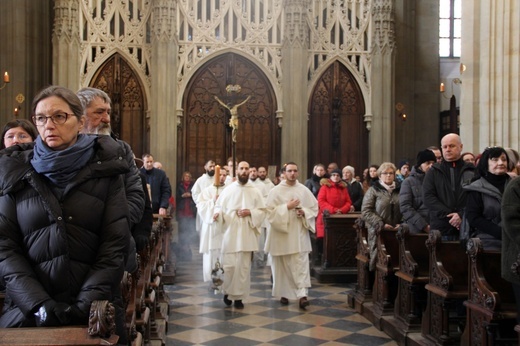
(295, 48)
(381, 141)
(66, 44)
(163, 117)
(490, 100)
(25, 33)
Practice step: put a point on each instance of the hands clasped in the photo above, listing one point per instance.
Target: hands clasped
(52, 313)
(243, 212)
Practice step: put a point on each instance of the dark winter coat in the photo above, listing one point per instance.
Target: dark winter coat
(66, 246)
(185, 205)
(443, 193)
(511, 231)
(160, 188)
(483, 208)
(415, 213)
(313, 184)
(133, 187)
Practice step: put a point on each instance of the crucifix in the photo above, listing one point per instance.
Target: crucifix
(233, 121)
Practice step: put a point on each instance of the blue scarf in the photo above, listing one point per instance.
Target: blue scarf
(61, 166)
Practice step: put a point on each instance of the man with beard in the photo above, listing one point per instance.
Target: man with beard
(96, 104)
(201, 183)
(253, 178)
(262, 175)
(259, 259)
(211, 235)
(240, 210)
(292, 212)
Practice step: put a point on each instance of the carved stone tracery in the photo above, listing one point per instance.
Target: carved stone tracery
(121, 26)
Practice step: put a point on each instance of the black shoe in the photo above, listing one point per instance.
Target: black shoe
(304, 303)
(284, 301)
(227, 301)
(239, 304)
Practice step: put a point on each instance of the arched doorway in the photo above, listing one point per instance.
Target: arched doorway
(128, 120)
(337, 132)
(205, 132)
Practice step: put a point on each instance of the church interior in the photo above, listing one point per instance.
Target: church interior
(357, 82)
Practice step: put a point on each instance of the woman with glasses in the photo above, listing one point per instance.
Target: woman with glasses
(484, 198)
(18, 131)
(380, 207)
(63, 218)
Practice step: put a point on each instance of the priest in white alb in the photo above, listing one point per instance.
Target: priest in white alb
(211, 234)
(201, 183)
(292, 209)
(241, 210)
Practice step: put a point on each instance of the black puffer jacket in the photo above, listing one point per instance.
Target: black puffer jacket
(443, 193)
(67, 246)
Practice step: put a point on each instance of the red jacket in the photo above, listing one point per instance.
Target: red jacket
(333, 197)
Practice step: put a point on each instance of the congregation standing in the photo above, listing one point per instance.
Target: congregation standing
(235, 214)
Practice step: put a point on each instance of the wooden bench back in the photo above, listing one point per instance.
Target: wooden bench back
(413, 253)
(388, 246)
(487, 265)
(448, 263)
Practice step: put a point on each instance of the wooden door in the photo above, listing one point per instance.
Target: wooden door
(205, 132)
(127, 119)
(337, 132)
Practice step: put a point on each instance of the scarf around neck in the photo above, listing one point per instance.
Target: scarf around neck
(60, 166)
(388, 188)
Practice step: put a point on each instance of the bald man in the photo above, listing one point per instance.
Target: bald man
(443, 192)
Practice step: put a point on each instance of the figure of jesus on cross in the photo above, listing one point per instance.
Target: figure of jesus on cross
(233, 121)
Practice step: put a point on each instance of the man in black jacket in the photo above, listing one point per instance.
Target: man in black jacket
(442, 188)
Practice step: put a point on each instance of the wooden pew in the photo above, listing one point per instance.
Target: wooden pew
(339, 249)
(491, 305)
(52, 336)
(362, 292)
(447, 288)
(155, 298)
(100, 331)
(385, 283)
(412, 276)
(134, 308)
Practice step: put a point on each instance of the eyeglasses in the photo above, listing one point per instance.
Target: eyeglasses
(387, 173)
(58, 119)
(20, 136)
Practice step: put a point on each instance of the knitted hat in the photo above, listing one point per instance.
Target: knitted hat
(402, 163)
(425, 156)
(337, 171)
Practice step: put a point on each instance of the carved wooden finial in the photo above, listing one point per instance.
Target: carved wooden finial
(473, 248)
(101, 320)
(403, 231)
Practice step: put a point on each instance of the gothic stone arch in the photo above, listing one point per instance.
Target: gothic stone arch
(128, 120)
(205, 132)
(337, 132)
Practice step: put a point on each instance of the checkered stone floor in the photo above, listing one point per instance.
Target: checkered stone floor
(199, 317)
